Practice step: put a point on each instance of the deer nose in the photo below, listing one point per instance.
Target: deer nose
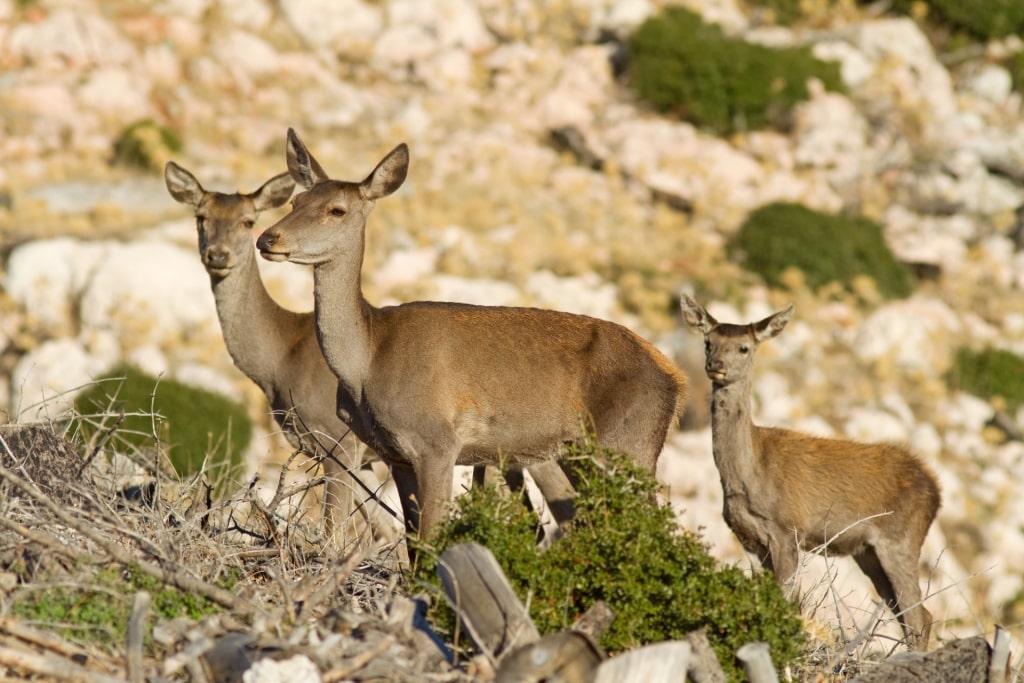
(266, 241)
(216, 257)
(714, 366)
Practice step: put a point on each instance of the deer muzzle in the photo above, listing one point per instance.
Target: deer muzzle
(266, 243)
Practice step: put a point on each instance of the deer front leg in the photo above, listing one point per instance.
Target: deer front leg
(434, 483)
(784, 554)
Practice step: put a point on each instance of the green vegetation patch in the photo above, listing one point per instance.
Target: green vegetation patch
(989, 373)
(147, 145)
(98, 610)
(825, 248)
(982, 19)
(626, 549)
(684, 66)
(190, 423)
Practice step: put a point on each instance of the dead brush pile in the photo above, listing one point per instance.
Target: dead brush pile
(102, 582)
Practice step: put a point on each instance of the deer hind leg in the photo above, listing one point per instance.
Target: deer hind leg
(894, 575)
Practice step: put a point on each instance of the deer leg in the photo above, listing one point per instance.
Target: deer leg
(894, 575)
(434, 489)
(405, 482)
(556, 488)
(783, 555)
(340, 505)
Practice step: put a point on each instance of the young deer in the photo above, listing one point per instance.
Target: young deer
(274, 347)
(429, 385)
(785, 490)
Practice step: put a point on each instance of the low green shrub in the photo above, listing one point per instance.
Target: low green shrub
(98, 610)
(989, 373)
(982, 19)
(626, 549)
(190, 423)
(686, 67)
(826, 248)
(147, 145)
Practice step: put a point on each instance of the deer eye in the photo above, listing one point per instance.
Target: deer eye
(744, 348)
(337, 211)
(248, 223)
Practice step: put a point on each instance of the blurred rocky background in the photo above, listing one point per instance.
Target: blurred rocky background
(559, 160)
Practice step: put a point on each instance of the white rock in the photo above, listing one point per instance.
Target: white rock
(405, 267)
(400, 48)
(870, 425)
(991, 82)
(916, 335)
(348, 27)
(46, 380)
(937, 240)
(854, 67)
(582, 90)
(831, 134)
(585, 294)
(254, 15)
(297, 669)
(117, 92)
(907, 78)
(77, 36)
(240, 50)
(454, 23)
(473, 291)
(150, 292)
(46, 278)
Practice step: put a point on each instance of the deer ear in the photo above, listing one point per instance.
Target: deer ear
(182, 185)
(301, 164)
(274, 192)
(773, 324)
(388, 176)
(695, 316)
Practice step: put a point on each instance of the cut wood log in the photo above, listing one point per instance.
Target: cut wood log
(757, 662)
(704, 664)
(965, 660)
(999, 663)
(659, 663)
(481, 596)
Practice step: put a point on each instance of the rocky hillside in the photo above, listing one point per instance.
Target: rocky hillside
(99, 263)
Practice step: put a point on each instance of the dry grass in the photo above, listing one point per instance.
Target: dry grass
(208, 583)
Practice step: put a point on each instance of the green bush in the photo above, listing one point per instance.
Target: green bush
(982, 19)
(626, 549)
(990, 373)
(191, 423)
(684, 66)
(826, 248)
(98, 610)
(147, 145)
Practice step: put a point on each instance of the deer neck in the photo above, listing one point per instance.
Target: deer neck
(343, 319)
(257, 331)
(732, 435)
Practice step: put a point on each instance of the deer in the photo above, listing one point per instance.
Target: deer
(278, 349)
(786, 491)
(274, 347)
(431, 384)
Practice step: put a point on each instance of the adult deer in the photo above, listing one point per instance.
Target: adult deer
(429, 385)
(785, 491)
(274, 347)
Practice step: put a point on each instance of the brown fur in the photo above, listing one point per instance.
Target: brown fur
(430, 385)
(786, 491)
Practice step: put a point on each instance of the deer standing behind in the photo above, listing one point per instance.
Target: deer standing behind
(274, 347)
(785, 491)
(430, 385)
